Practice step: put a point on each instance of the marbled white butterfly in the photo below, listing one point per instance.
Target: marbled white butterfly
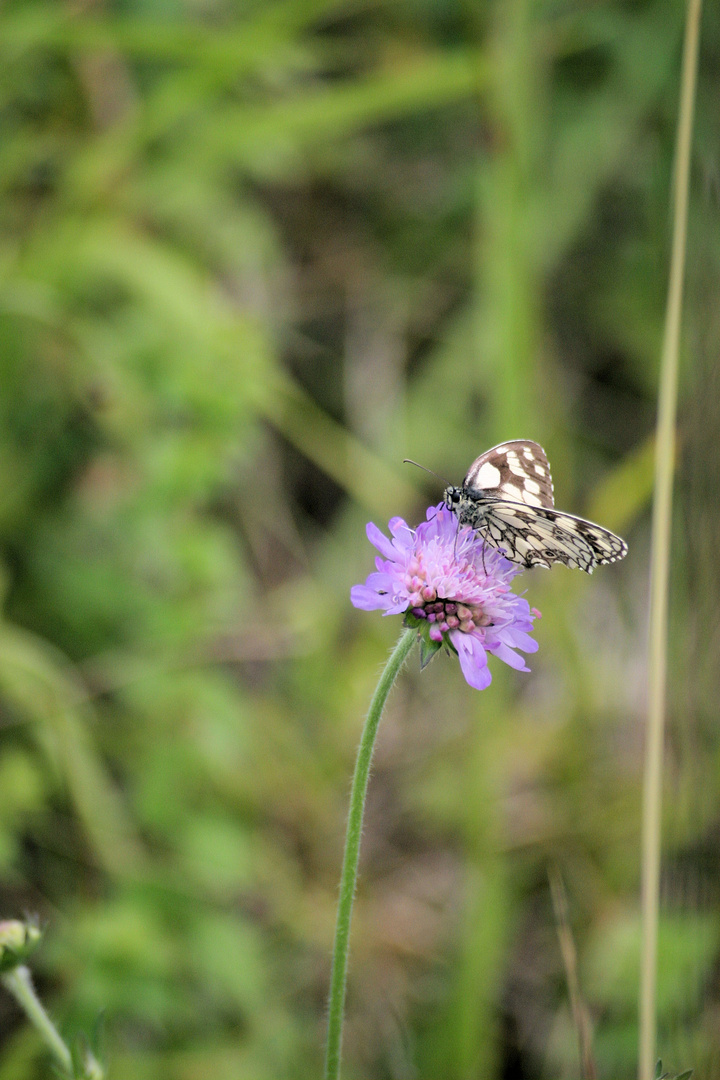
(507, 496)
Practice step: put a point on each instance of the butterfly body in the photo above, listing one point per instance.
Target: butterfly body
(507, 497)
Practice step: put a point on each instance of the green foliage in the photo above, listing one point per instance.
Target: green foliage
(251, 256)
(666, 1076)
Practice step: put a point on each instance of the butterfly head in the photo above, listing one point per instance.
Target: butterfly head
(452, 496)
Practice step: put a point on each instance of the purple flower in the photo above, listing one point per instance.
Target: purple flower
(452, 586)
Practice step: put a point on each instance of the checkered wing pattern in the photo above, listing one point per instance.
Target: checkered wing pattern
(507, 497)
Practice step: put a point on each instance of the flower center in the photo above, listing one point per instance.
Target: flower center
(444, 615)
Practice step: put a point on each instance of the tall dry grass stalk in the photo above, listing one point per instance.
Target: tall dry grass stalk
(660, 555)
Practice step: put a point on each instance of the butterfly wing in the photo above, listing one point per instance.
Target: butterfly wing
(539, 536)
(507, 496)
(518, 471)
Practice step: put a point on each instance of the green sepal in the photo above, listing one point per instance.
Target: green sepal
(428, 647)
(17, 941)
(412, 622)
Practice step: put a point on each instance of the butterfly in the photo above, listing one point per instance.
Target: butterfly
(507, 497)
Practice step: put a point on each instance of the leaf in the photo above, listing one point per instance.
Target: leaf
(428, 649)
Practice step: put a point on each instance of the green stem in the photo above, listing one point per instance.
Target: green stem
(19, 983)
(660, 555)
(348, 879)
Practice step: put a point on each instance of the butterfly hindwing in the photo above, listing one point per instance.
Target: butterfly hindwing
(507, 497)
(536, 536)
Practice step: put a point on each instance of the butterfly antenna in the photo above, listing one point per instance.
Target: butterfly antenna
(409, 461)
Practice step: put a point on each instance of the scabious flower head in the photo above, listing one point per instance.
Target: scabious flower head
(454, 588)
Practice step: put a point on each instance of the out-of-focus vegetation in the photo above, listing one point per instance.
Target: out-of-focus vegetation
(251, 256)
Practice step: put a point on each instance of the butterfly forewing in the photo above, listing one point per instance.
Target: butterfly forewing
(517, 470)
(507, 497)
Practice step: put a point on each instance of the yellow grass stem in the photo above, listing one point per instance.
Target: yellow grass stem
(660, 556)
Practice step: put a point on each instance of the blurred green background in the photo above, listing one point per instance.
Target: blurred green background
(252, 254)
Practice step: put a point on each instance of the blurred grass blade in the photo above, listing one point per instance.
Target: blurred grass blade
(581, 1019)
(625, 491)
(36, 682)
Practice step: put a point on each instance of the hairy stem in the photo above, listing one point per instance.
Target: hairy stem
(348, 879)
(19, 983)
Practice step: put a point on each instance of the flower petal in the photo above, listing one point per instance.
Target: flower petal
(518, 639)
(515, 637)
(403, 536)
(382, 582)
(473, 659)
(506, 654)
(380, 541)
(398, 606)
(367, 599)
